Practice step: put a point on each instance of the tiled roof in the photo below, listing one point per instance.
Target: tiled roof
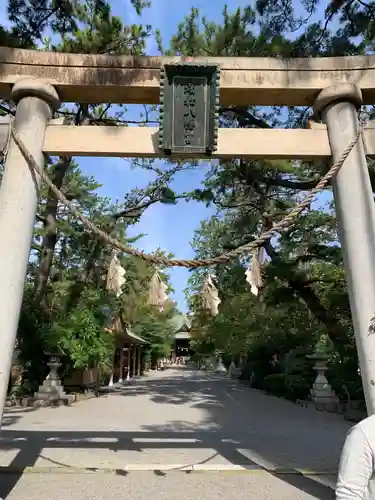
(120, 330)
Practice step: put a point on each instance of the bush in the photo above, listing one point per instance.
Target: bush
(345, 373)
(287, 386)
(247, 372)
(275, 384)
(298, 387)
(82, 339)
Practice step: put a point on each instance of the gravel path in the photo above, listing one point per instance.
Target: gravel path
(171, 420)
(173, 486)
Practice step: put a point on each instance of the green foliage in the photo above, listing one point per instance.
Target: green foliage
(167, 196)
(276, 384)
(154, 327)
(81, 337)
(287, 386)
(31, 343)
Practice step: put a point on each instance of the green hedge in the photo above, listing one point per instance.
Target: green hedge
(275, 384)
(287, 386)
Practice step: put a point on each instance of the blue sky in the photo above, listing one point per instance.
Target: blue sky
(168, 227)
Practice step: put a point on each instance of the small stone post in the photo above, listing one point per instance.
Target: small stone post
(134, 371)
(121, 364)
(138, 360)
(128, 363)
(111, 378)
(232, 371)
(19, 193)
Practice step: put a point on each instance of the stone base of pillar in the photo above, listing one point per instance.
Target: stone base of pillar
(51, 391)
(324, 397)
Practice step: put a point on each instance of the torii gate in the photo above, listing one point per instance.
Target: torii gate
(38, 81)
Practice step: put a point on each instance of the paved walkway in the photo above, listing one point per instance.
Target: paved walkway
(177, 419)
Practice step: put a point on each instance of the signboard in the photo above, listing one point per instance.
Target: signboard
(189, 109)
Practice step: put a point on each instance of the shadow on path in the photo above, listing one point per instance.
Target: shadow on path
(245, 427)
(14, 414)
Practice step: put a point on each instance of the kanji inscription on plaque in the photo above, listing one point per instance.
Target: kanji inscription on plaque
(189, 105)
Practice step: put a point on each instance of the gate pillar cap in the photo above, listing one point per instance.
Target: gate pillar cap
(35, 87)
(337, 93)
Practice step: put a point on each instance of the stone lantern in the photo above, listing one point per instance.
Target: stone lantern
(322, 394)
(51, 390)
(220, 368)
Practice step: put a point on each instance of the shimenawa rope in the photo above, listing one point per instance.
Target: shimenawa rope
(188, 263)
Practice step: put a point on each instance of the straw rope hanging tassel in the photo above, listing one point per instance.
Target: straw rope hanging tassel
(157, 292)
(210, 296)
(254, 272)
(115, 276)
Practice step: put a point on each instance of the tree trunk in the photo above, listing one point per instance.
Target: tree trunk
(50, 236)
(81, 280)
(299, 284)
(91, 266)
(336, 332)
